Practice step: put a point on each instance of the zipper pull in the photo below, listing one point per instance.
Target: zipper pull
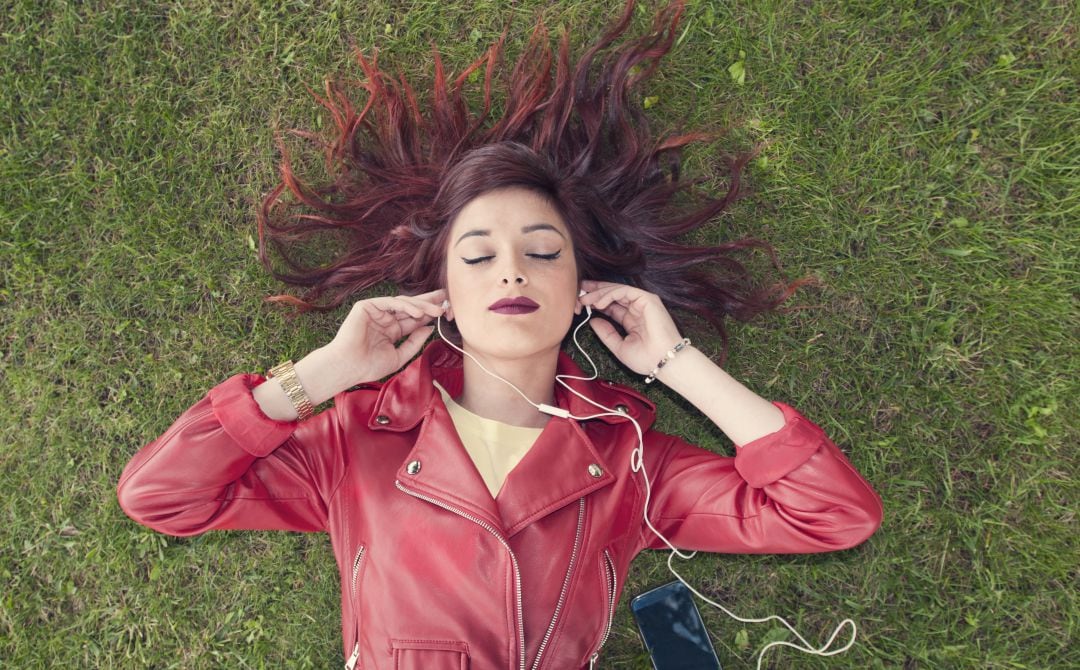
(351, 663)
(592, 659)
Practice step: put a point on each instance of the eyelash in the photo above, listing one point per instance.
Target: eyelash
(482, 259)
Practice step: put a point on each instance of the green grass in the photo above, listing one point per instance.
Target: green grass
(924, 166)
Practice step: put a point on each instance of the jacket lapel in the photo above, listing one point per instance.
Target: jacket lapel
(562, 466)
(446, 471)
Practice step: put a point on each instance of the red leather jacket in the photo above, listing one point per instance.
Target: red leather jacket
(435, 574)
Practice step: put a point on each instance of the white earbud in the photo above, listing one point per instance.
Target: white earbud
(588, 308)
(445, 304)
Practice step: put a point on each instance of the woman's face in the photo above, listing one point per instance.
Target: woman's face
(511, 245)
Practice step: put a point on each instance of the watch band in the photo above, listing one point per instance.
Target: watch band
(285, 373)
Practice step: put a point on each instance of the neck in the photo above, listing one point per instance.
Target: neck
(491, 398)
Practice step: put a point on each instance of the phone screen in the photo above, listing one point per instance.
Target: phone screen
(672, 629)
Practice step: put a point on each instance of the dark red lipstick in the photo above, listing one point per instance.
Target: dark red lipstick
(519, 305)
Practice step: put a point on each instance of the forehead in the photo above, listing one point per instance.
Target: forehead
(506, 210)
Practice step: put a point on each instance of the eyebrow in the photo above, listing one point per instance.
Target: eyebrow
(531, 228)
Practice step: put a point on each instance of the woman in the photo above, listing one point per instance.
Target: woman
(472, 529)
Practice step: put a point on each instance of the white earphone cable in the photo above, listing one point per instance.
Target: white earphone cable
(637, 464)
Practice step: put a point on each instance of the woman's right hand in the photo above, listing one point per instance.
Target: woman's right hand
(366, 341)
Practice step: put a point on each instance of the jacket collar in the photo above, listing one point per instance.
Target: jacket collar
(409, 395)
(557, 470)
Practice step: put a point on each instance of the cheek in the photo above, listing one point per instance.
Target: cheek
(461, 293)
(568, 279)
(454, 279)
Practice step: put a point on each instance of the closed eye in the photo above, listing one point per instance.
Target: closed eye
(546, 257)
(484, 259)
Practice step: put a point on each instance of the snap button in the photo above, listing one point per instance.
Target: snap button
(622, 409)
(413, 467)
(595, 470)
(382, 419)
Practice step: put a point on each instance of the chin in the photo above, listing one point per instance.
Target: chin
(514, 337)
(510, 343)
(509, 350)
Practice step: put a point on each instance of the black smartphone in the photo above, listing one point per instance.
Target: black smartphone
(672, 630)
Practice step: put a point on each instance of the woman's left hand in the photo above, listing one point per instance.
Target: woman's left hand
(650, 332)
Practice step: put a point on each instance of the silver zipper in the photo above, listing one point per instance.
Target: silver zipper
(565, 586)
(513, 559)
(356, 568)
(609, 566)
(351, 662)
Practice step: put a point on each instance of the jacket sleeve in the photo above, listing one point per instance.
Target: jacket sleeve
(791, 491)
(225, 465)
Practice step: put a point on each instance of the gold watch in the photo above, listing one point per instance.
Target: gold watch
(286, 376)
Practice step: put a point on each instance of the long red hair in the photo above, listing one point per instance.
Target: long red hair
(580, 138)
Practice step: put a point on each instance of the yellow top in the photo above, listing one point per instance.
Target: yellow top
(495, 447)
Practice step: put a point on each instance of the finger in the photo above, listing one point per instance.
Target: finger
(607, 334)
(430, 303)
(393, 326)
(593, 284)
(619, 307)
(379, 313)
(604, 290)
(408, 324)
(606, 293)
(616, 312)
(597, 294)
(415, 308)
(399, 320)
(400, 304)
(436, 296)
(412, 344)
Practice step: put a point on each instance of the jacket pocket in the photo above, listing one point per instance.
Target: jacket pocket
(354, 600)
(610, 589)
(430, 655)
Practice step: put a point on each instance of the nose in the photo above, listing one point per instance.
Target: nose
(512, 273)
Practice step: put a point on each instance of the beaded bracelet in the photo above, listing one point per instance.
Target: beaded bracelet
(667, 357)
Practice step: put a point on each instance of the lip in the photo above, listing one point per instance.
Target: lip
(518, 305)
